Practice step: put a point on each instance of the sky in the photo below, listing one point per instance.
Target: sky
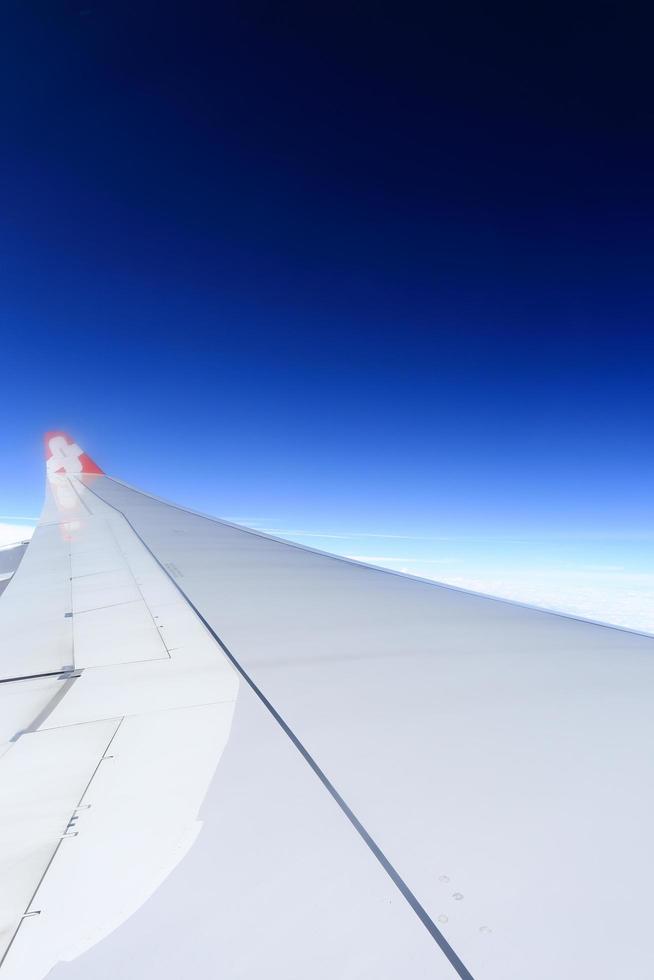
(376, 278)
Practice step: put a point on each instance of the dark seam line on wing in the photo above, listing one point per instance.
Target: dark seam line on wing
(394, 875)
(64, 673)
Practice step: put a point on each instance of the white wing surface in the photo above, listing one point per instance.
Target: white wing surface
(380, 776)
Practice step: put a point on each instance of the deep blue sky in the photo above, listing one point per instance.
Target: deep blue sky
(335, 266)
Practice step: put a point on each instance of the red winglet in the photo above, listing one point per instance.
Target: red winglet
(63, 455)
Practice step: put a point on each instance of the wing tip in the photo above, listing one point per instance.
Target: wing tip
(64, 455)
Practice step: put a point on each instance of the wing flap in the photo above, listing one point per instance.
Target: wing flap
(43, 779)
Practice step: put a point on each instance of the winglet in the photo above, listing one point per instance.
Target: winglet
(63, 455)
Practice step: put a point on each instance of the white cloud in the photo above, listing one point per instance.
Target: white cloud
(13, 533)
(617, 597)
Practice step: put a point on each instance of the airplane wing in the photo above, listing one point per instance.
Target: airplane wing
(226, 755)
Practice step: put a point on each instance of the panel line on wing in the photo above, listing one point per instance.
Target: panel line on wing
(390, 870)
(27, 909)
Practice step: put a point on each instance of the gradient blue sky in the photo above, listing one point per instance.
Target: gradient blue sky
(349, 272)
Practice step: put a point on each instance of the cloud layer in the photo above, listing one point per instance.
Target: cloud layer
(14, 533)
